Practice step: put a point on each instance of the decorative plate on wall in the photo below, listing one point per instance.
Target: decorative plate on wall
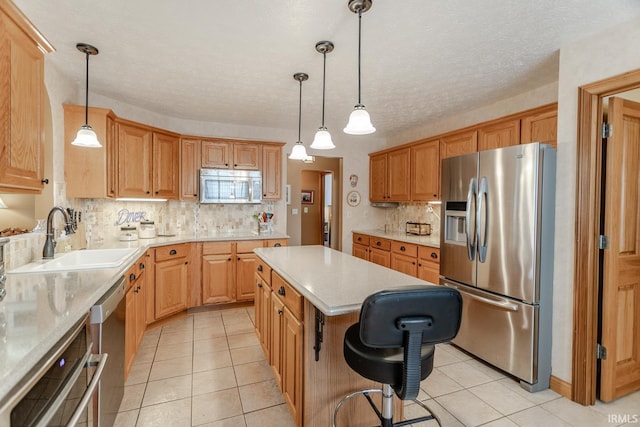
(353, 198)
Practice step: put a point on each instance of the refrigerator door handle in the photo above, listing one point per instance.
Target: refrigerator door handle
(470, 220)
(482, 221)
(506, 305)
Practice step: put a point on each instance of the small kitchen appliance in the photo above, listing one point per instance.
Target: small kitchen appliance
(128, 233)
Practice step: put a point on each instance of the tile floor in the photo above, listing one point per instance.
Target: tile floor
(207, 369)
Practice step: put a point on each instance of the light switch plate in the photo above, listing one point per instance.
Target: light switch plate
(294, 211)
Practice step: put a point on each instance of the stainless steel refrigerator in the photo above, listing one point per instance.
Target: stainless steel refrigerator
(497, 249)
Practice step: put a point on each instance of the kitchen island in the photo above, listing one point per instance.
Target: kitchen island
(307, 296)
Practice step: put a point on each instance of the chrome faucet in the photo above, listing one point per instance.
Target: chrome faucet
(50, 244)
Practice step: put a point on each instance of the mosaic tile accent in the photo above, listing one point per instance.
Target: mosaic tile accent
(414, 212)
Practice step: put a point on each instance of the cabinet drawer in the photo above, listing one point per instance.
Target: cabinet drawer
(172, 251)
(263, 270)
(376, 242)
(275, 243)
(289, 296)
(216, 248)
(247, 246)
(408, 249)
(362, 239)
(429, 254)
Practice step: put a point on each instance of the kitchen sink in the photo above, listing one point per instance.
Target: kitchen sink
(78, 260)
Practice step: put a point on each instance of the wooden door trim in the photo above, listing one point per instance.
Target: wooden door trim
(587, 228)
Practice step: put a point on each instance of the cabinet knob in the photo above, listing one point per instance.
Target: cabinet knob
(277, 245)
(148, 192)
(413, 263)
(132, 277)
(434, 255)
(229, 259)
(172, 252)
(260, 267)
(402, 248)
(186, 262)
(259, 284)
(238, 258)
(359, 239)
(45, 181)
(264, 195)
(195, 195)
(226, 164)
(280, 312)
(281, 291)
(235, 165)
(142, 266)
(378, 243)
(157, 192)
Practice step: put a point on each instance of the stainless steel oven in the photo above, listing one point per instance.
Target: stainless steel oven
(58, 390)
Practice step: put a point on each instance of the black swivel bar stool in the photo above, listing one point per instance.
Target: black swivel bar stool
(394, 343)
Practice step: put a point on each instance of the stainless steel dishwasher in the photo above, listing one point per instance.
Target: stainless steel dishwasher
(107, 329)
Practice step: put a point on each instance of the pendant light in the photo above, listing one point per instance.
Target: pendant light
(322, 140)
(299, 152)
(359, 120)
(86, 137)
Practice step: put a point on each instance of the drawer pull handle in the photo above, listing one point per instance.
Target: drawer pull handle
(259, 284)
(142, 266)
(402, 248)
(260, 267)
(173, 252)
(132, 277)
(378, 243)
(277, 245)
(281, 291)
(229, 259)
(434, 255)
(280, 312)
(359, 239)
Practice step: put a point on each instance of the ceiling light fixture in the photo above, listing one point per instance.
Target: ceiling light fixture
(299, 152)
(86, 137)
(322, 140)
(359, 120)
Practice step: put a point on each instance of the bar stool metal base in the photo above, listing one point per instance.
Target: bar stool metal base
(386, 416)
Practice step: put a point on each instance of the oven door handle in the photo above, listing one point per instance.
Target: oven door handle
(101, 361)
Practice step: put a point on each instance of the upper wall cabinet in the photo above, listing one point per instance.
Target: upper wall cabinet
(389, 179)
(271, 172)
(425, 171)
(459, 143)
(22, 102)
(499, 135)
(189, 167)
(541, 126)
(90, 172)
(221, 154)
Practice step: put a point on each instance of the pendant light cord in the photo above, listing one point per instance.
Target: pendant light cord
(86, 96)
(300, 113)
(324, 76)
(359, 50)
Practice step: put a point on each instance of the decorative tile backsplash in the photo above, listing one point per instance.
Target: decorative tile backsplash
(412, 212)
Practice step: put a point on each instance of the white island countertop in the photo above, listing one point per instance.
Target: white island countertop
(334, 282)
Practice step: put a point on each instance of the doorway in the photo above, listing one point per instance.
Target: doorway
(607, 205)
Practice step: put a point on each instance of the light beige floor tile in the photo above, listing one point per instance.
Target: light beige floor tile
(437, 384)
(491, 372)
(214, 380)
(132, 397)
(536, 417)
(173, 351)
(175, 338)
(624, 405)
(206, 313)
(209, 361)
(243, 340)
(576, 414)
(228, 422)
(243, 355)
(443, 357)
(260, 395)
(253, 372)
(166, 390)
(467, 408)
(208, 322)
(270, 417)
(176, 413)
(465, 374)
(244, 327)
(170, 368)
(150, 339)
(502, 422)
(216, 406)
(456, 351)
(537, 397)
(126, 419)
(144, 355)
(501, 398)
(139, 373)
(413, 411)
(210, 345)
(235, 316)
(207, 333)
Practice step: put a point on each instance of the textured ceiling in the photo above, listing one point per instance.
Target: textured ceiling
(232, 61)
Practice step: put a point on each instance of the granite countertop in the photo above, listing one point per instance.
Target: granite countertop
(334, 282)
(41, 308)
(432, 241)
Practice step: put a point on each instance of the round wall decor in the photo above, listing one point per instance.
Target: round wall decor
(353, 198)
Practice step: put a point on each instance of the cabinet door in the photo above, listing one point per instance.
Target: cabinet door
(263, 315)
(134, 161)
(399, 175)
(404, 264)
(292, 364)
(112, 158)
(541, 126)
(150, 291)
(429, 271)
(246, 156)
(171, 287)
(360, 251)
(425, 171)
(216, 154)
(217, 279)
(22, 101)
(189, 168)
(378, 178)
(129, 329)
(459, 143)
(277, 311)
(499, 135)
(245, 273)
(271, 172)
(166, 166)
(141, 323)
(380, 257)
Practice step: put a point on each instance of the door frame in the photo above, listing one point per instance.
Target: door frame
(587, 227)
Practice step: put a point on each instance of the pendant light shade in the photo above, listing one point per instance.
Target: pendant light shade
(86, 137)
(322, 140)
(299, 152)
(359, 120)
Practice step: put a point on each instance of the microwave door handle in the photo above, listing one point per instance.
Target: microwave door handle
(470, 219)
(250, 185)
(482, 220)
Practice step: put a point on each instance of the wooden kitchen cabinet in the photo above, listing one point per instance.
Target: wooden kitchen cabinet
(22, 102)
(271, 172)
(189, 169)
(129, 330)
(245, 271)
(380, 256)
(226, 154)
(540, 125)
(404, 264)
(360, 251)
(263, 306)
(171, 279)
(425, 171)
(90, 173)
(276, 243)
(135, 321)
(390, 176)
(429, 264)
(458, 143)
(498, 135)
(165, 165)
(378, 178)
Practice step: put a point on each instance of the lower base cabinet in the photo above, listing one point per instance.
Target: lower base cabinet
(171, 279)
(135, 311)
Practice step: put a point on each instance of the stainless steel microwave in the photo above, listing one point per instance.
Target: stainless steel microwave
(230, 186)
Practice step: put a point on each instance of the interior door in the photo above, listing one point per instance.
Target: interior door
(620, 328)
